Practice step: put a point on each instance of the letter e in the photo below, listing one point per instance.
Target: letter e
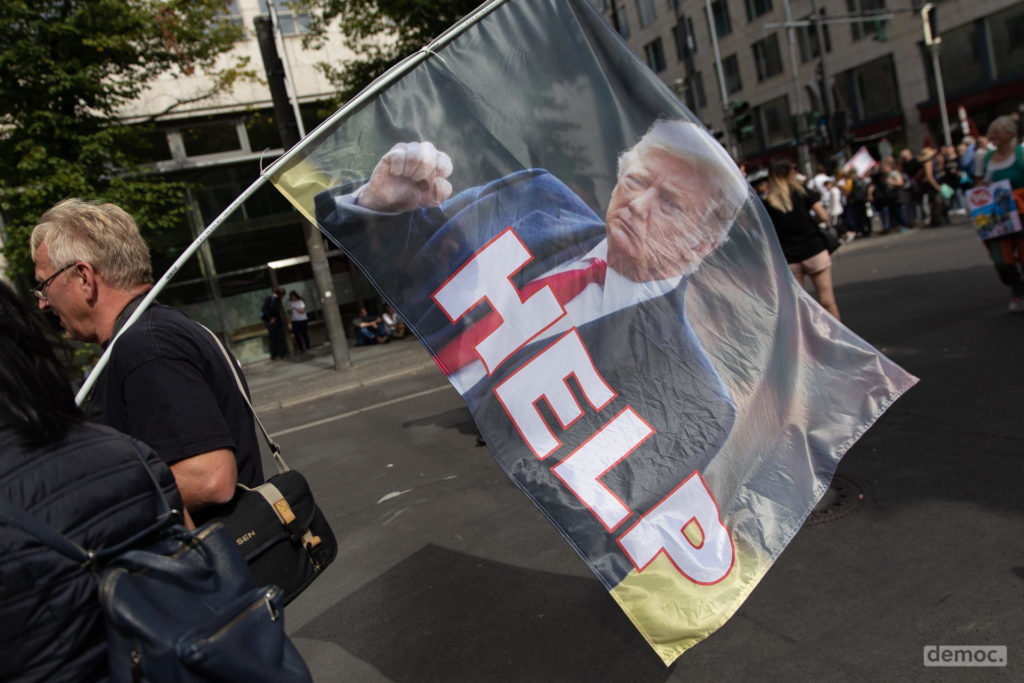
(543, 377)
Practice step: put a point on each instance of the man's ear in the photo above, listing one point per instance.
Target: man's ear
(89, 280)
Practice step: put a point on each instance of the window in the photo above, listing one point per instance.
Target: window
(767, 57)
(645, 10)
(776, 123)
(291, 21)
(756, 8)
(1006, 28)
(655, 54)
(231, 13)
(962, 59)
(807, 39)
(720, 12)
(695, 96)
(731, 74)
(869, 91)
(682, 41)
(619, 17)
(864, 29)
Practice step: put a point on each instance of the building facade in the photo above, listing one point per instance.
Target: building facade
(760, 64)
(218, 145)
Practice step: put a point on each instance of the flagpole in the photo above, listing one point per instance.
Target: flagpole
(384, 80)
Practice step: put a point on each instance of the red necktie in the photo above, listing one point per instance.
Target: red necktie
(565, 285)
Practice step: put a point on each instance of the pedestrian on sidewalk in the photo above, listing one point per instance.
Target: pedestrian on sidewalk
(1006, 162)
(790, 209)
(271, 314)
(300, 321)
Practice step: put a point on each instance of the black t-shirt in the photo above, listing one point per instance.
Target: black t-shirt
(168, 384)
(798, 233)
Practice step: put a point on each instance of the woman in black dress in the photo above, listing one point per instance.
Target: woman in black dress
(790, 209)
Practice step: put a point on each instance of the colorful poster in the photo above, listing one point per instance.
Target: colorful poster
(994, 210)
(591, 271)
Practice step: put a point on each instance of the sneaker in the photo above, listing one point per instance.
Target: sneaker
(1016, 305)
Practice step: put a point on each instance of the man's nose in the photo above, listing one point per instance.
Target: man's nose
(43, 304)
(641, 202)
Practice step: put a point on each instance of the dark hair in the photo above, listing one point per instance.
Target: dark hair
(36, 399)
(781, 166)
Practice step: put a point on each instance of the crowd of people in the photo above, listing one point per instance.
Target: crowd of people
(901, 192)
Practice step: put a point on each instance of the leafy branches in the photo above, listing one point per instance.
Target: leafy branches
(70, 67)
(381, 33)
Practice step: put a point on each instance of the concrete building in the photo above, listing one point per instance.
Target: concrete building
(876, 62)
(218, 145)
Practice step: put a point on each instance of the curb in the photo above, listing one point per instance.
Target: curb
(341, 388)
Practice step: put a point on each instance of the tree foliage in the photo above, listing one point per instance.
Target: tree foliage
(380, 33)
(68, 67)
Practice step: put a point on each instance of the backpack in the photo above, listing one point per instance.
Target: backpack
(183, 608)
(266, 309)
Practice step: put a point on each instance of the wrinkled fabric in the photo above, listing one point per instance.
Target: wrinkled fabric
(677, 432)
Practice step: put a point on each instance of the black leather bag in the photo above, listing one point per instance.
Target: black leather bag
(184, 608)
(281, 532)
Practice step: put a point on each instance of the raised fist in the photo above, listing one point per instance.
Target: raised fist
(411, 175)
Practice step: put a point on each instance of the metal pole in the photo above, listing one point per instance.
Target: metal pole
(729, 142)
(293, 92)
(803, 156)
(941, 92)
(826, 90)
(311, 235)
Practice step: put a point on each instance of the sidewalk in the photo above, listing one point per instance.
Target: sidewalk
(288, 382)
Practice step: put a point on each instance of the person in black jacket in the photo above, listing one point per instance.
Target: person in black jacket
(791, 209)
(82, 480)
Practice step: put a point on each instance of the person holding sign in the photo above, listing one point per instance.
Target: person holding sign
(1006, 162)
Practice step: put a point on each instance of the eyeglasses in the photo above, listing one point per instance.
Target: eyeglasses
(40, 289)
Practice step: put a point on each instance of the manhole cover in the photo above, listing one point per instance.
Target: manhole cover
(842, 497)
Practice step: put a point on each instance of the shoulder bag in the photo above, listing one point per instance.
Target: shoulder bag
(279, 528)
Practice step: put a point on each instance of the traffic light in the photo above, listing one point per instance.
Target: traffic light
(742, 120)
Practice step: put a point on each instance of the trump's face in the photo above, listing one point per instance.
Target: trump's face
(660, 223)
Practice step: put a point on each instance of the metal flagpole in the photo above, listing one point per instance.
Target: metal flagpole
(393, 74)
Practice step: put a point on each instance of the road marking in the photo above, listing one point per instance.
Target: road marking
(375, 406)
(393, 494)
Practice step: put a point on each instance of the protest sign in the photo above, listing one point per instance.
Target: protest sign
(994, 210)
(861, 163)
(618, 317)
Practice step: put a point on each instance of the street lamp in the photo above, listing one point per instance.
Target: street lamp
(932, 42)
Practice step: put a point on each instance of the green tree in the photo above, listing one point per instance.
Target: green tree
(380, 33)
(68, 68)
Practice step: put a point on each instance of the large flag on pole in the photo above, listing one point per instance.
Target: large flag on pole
(590, 270)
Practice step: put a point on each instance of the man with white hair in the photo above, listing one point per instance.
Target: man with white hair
(621, 281)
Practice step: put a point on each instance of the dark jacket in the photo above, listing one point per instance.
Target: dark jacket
(92, 488)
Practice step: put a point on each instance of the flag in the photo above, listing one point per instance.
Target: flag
(591, 271)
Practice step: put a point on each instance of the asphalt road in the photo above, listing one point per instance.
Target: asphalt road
(446, 572)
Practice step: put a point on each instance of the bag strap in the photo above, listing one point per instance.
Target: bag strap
(18, 518)
(275, 448)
